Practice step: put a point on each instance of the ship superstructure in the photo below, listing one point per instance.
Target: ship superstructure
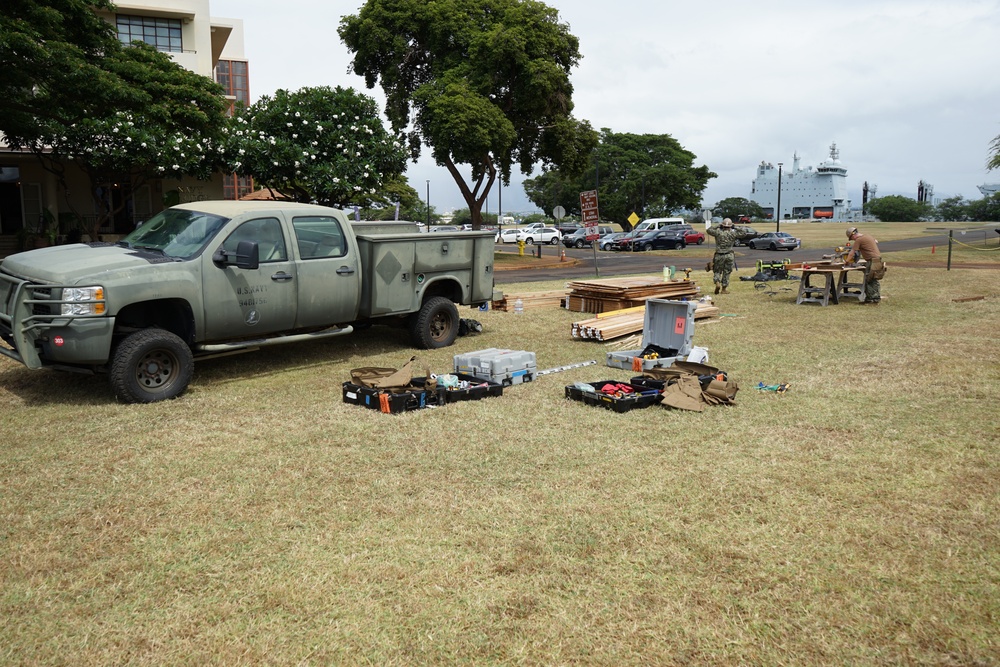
(806, 193)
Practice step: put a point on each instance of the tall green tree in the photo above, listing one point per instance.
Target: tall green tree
(952, 209)
(397, 192)
(986, 209)
(163, 120)
(483, 83)
(646, 174)
(734, 207)
(321, 144)
(52, 64)
(994, 151)
(897, 208)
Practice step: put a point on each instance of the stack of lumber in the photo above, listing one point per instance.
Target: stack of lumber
(531, 299)
(600, 296)
(608, 326)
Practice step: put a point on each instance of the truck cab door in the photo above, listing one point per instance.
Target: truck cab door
(243, 302)
(329, 271)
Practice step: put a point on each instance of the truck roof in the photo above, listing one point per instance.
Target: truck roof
(229, 208)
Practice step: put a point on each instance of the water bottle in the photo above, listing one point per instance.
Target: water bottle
(518, 307)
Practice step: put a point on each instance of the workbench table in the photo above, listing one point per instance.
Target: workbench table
(825, 283)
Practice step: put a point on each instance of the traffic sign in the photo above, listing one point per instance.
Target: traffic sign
(633, 218)
(558, 213)
(589, 213)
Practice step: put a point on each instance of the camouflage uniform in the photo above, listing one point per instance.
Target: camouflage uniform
(724, 260)
(867, 247)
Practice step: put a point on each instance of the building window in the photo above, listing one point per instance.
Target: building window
(163, 34)
(234, 78)
(234, 187)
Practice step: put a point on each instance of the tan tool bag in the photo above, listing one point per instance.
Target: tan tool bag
(383, 378)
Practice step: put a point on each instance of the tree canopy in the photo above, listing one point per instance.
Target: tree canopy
(897, 208)
(734, 207)
(170, 126)
(648, 174)
(994, 151)
(321, 144)
(483, 83)
(52, 55)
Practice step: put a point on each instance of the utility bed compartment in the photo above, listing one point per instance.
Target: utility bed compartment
(668, 331)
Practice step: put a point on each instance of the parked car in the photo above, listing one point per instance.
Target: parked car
(661, 239)
(540, 235)
(691, 235)
(568, 227)
(446, 228)
(775, 241)
(578, 239)
(606, 241)
(535, 225)
(751, 230)
(624, 242)
(508, 235)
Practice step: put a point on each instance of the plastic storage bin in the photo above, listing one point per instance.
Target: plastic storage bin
(668, 329)
(506, 367)
(388, 401)
(478, 388)
(641, 397)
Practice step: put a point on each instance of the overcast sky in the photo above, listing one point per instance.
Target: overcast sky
(908, 89)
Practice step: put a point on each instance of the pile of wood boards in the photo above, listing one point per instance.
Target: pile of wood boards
(531, 299)
(612, 325)
(600, 296)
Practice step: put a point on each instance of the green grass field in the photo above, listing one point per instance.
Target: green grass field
(258, 519)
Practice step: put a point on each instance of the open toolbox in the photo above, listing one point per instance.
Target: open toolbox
(667, 335)
(471, 388)
(384, 400)
(635, 396)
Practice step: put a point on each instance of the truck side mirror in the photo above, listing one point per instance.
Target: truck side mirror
(247, 256)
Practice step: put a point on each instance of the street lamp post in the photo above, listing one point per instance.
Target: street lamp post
(777, 213)
(428, 205)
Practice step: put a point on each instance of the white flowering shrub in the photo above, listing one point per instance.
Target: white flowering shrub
(321, 144)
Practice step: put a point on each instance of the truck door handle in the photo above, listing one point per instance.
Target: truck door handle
(345, 271)
(281, 277)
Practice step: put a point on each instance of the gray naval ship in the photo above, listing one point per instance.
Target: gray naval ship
(807, 193)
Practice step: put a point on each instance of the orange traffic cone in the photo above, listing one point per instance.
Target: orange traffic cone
(562, 255)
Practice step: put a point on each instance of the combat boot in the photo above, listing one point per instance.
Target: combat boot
(725, 290)
(718, 287)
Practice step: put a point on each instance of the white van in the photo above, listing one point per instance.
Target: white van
(653, 224)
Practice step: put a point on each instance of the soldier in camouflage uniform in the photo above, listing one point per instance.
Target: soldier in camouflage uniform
(724, 261)
(866, 246)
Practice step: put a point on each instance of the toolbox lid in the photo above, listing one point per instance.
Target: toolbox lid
(669, 324)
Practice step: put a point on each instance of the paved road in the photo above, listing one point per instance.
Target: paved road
(624, 263)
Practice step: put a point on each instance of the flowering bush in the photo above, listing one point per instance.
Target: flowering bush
(316, 144)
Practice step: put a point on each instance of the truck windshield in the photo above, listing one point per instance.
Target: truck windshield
(176, 232)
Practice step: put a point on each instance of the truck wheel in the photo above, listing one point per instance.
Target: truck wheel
(151, 365)
(579, 244)
(435, 324)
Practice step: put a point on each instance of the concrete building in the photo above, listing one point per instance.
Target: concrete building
(185, 30)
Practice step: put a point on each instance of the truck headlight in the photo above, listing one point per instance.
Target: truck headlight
(83, 301)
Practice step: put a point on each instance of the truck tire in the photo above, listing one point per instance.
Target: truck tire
(151, 365)
(435, 324)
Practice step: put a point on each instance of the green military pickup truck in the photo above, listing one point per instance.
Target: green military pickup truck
(217, 277)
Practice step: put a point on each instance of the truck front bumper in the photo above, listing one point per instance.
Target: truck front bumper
(39, 338)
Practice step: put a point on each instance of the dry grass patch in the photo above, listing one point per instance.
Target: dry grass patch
(259, 519)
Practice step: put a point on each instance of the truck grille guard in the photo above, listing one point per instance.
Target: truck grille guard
(26, 313)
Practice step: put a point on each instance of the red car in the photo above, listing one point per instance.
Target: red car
(691, 235)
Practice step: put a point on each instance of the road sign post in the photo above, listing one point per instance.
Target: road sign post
(590, 217)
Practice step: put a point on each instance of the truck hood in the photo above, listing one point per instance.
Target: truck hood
(68, 264)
